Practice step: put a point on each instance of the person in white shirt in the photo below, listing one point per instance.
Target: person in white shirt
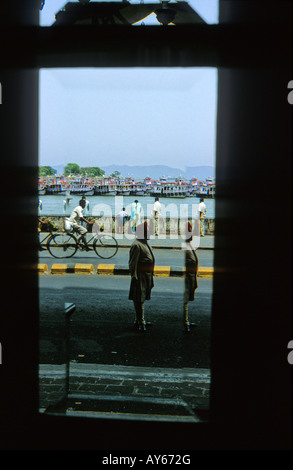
(75, 218)
(66, 203)
(120, 219)
(156, 214)
(202, 213)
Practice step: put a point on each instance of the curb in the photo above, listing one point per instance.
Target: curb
(42, 268)
(115, 269)
(71, 268)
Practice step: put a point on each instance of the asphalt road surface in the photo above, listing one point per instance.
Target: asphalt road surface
(101, 328)
(163, 257)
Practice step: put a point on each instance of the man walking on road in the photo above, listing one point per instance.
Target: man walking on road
(141, 267)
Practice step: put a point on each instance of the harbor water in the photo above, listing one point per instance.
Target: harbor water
(111, 205)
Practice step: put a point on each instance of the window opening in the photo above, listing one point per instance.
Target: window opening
(116, 136)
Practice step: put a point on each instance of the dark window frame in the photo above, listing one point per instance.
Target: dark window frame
(251, 378)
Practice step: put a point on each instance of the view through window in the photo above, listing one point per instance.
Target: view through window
(125, 312)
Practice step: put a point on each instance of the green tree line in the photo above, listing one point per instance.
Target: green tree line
(47, 171)
(72, 169)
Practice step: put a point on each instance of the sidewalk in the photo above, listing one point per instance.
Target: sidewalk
(111, 391)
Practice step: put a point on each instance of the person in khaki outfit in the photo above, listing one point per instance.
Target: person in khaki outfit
(141, 267)
(190, 276)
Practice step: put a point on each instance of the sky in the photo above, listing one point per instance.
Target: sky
(128, 116)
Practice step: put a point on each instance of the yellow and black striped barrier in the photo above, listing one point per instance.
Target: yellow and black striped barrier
(114, 269)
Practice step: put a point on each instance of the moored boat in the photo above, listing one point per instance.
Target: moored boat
(42, 190)
(81, 189)
(165, 188)
(137, 190)
(206, 189)
(174, 190)
(55, 189)
(123, 189)
(105, 190)
(208, 194)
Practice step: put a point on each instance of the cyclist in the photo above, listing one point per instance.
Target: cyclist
(75, 218)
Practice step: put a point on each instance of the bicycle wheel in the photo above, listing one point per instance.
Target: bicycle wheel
(105, 246)
(62, 245)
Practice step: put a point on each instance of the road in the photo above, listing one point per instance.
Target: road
(101, 329)
(163, 257)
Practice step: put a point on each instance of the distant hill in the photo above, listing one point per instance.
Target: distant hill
(154, 171)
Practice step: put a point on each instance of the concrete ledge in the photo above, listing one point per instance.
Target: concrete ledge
(121, 270)
(84, 268)
(114, 269)
(106, 269)
(163, 271)
(205, 272)
(58, 269)
(177, 271)
(42, 268)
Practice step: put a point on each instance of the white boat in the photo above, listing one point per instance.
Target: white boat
(105, 190)
(147, 185)
(178, 190)
(139, 192)
(55, 188)
(81, 189)
(123, 190)
(136, 189)
(156, 189)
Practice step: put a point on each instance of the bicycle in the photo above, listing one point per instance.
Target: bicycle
(47, 237)
(65, 245)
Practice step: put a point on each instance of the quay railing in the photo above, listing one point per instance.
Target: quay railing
(167, 225)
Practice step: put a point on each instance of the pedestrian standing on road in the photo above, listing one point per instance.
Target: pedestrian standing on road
(190, 276)
(141, 267)
(202, 210)
(135, 215)
(156, 214)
